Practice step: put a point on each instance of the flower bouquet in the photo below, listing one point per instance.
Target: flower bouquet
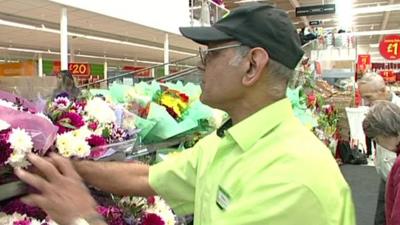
(87, 128)
(168, 110)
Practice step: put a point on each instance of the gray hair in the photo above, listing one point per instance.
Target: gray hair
(382, 119)
(373, 79)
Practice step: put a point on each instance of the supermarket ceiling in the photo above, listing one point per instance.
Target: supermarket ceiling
(365, 18)
(34, 25)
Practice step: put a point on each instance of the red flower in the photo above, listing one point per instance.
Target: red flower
(151, 200)
(311, 100)
(329, 110)
(152, 219)
(93, 125)
(96, 140)
(184, 97)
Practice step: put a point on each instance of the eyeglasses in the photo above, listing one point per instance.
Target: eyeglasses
(203, 52)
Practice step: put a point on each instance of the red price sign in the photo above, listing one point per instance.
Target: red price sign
(390, 47)
(363, 62)
(388, 75)
(79, 68)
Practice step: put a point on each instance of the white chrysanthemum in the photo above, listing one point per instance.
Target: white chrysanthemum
(4, 125)
(69, 144)
(81, 149)
(14, 218)
(20, 140)
(163, 210)
(64, 144)
(18, 160)
(7, 104)
(82, 133)
(100, 111)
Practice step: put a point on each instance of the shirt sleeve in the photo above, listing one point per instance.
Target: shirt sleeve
(286, 204)
(175, 179)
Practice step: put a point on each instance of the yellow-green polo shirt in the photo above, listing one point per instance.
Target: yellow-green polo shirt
(267, 170)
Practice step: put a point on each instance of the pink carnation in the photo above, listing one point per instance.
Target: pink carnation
(26, 221)
(74, 121)
(151, 200)
(96, 140)
(93, 125)
(152, 219)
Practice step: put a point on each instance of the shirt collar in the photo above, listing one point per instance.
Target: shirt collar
(247, 132)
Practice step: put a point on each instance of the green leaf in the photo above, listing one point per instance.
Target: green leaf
(67, 125)
(106, 132)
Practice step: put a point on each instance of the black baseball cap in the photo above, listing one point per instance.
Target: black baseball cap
(254, 25)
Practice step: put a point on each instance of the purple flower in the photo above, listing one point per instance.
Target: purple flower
(152, 219)
(21, 208)
(69, 121)
(63, 94)
(26, 221)
(118, 134)
(112, 214)
(5, 147)
(5, 151)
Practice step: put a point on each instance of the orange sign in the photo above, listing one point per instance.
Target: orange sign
(389, 47)
(79, 68)
(26, 68)
(74, 68)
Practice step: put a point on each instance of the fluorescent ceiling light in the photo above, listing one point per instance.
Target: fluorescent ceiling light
(376, 32)
(36, 51)
(109, 40)
(376, 9)
(344, 13)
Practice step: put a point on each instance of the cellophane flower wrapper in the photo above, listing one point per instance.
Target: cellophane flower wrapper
(29, 106)
(41, 129)
(104, 151)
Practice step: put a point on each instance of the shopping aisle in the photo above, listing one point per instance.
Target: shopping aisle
(364, 182)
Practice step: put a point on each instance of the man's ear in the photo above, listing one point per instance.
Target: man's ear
(257, 60)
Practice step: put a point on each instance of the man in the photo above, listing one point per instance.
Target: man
(262, 167)
(372, 88)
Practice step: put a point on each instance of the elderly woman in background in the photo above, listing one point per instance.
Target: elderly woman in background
(382, 124)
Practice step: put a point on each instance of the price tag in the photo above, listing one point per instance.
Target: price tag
(79, 68)
(389, 47)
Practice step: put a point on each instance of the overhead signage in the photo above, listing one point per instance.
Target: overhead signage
(27, 68)
(79, 68)
(315, 10)
(389, 47)
(74, 68)
(388, 75)
(315, 22)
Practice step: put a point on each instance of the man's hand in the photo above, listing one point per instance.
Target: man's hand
(63, 196)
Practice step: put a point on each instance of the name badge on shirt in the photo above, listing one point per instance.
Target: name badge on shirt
(223, 198)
